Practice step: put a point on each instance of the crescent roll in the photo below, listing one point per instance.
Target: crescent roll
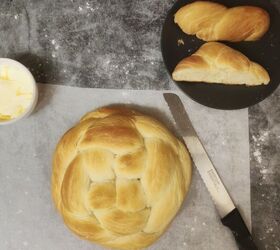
(217, 63)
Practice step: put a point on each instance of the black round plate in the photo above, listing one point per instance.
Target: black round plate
(266, 52)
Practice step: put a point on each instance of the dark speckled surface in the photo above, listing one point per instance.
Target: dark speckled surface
(98, 43)
(265, 171)
(116, 44)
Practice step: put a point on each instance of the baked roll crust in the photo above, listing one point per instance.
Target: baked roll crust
(217, 63)
(211, 21)
(119, 177)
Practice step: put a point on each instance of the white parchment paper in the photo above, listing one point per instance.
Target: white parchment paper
(28, 219)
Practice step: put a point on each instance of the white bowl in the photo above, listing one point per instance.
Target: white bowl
(34, 100)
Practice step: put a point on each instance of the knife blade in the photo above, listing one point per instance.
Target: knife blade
(228, 212)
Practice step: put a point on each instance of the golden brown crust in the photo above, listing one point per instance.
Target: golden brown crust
(119, 178)
(217, 63)
(211, 21)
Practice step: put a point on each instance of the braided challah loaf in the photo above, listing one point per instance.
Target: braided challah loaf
(217, 63)
(119, 177)
(214, 22)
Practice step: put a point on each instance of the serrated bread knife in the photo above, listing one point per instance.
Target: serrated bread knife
(229, 214)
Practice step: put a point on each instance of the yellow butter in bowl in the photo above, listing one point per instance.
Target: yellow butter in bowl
(18, 91)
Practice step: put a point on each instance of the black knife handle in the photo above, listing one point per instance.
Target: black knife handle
(234, 221)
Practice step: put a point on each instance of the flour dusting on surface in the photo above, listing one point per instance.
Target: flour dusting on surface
(258, 156)
(258, 144)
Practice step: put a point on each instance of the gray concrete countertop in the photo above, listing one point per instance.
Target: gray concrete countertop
(116, 44)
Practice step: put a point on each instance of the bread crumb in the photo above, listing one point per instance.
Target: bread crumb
(180, 42)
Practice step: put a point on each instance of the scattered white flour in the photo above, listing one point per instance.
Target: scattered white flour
(203, 223)
(56, 47)
(46, 35)
(263, 137)
(89, 7)
(16, 16)
(258, 156)
(128, 66)
(264, 171)
(107, 62)
(80, 8)
(258, 141)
